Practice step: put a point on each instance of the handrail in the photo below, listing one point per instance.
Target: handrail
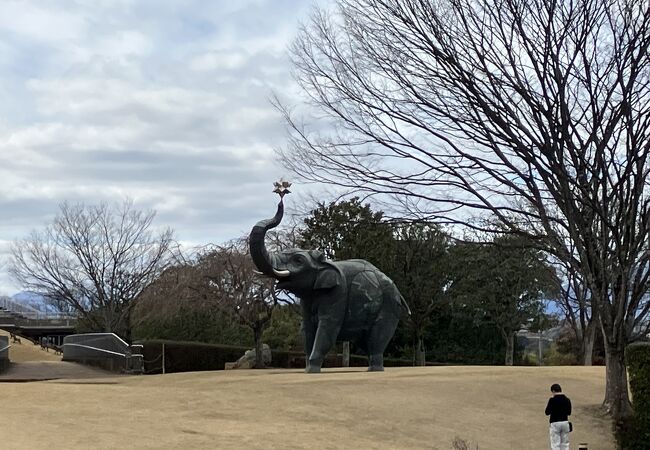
(6, 348)
(124, 355)
(43, 315)
(120, 340)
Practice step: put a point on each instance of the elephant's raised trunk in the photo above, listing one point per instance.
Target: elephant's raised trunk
(256, 242)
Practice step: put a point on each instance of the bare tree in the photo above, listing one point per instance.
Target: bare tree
(94, 261)
(228, 280)
(533, 112)
(575, 302)
(172, 307)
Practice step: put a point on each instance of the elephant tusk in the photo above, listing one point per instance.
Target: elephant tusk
(261, 274)
(281, 273)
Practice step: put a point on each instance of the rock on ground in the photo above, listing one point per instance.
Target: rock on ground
(248, 360)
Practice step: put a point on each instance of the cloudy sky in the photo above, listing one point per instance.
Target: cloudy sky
(162, 101)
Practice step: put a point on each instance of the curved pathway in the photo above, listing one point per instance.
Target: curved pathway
(51, 370)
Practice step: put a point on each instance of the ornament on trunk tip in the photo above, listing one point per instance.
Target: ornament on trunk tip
(282, 187)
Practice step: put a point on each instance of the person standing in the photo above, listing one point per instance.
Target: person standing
(559, 410)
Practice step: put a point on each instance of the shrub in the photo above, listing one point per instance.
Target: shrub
(456, 338)
(629, 436)
(284, 332)
(528, 359)
(635, 434)
(554, 356)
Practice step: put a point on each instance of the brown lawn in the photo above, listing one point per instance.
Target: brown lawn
(402, 408)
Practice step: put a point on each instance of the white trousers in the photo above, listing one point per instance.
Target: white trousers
(559, 433)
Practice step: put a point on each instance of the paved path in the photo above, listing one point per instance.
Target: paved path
(51, 370)
(30, 362)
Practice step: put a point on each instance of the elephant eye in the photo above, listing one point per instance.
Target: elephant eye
(299, 259)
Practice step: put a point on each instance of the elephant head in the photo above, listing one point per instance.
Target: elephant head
(299, 271)
(306, 271)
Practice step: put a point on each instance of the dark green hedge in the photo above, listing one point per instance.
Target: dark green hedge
(188, 356)
(638, 363)
(296, 360)
(196, 356)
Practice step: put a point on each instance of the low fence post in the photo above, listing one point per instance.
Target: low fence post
(163, 358)
(137, 359)
(346, 354)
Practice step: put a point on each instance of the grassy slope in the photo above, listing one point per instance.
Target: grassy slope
(26, 351)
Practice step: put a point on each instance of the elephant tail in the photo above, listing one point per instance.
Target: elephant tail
(404, 305)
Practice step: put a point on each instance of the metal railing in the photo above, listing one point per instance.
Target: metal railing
(8, 306)
(39, 315)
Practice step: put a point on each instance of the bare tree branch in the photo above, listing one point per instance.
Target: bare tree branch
(534, 113)
(93, 260)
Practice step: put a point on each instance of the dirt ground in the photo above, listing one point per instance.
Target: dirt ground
(26, 351)
(402, 408)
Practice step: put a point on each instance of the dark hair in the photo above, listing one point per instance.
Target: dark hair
(556, 388)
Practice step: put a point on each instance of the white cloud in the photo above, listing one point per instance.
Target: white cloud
(163, 102)
(125, 43)
(219, 60)
(41, 21)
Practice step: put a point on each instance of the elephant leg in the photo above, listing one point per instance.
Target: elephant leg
(309, 333)
(325, 338)
(378, 338)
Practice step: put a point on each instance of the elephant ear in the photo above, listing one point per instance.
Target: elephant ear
(317, 255)
(327, 279)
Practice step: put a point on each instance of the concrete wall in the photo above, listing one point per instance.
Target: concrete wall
(104, 350)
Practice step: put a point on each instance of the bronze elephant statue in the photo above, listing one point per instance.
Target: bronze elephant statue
(348, 300)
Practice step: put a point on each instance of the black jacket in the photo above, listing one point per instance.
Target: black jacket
(559, 408)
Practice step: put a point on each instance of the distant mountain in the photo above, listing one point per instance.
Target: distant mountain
(31, 300)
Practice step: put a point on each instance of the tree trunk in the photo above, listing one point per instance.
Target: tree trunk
(539, 348)
(127, 326)
(420, 355)
(589, 337)
(617, 400)
(259, 360)
(510, 349)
